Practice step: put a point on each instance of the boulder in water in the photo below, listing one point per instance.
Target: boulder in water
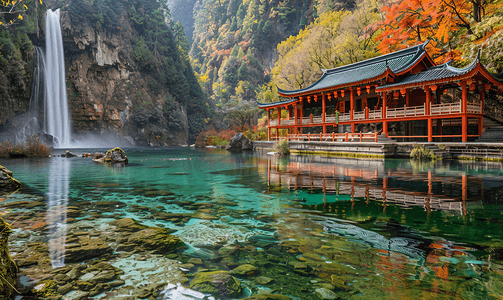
(6, 180)
(116, 155)
(219, 283)
(239, 143)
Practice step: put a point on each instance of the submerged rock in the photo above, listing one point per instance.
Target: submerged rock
(245, 270)
(268, 297)
(127, 224)
(155, 238)
(7, 182)
(87, 248)
(219, 283)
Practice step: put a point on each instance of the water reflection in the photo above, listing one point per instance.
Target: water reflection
(373, 180)
(57, 199)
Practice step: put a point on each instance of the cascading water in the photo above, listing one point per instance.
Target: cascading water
(56, 113)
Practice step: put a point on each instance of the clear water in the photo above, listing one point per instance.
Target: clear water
(362, 229)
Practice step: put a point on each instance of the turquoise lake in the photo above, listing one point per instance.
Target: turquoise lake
(308, 227)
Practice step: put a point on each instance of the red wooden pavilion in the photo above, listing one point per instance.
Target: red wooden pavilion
(403, 94)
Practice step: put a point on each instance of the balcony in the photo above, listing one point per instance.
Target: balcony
(443, 109)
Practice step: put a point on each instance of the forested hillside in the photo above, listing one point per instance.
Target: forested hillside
(242, 49)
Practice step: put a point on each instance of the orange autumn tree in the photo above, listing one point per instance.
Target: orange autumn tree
(409, 22)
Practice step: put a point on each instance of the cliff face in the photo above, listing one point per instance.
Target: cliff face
(110, 91)
(107, 90)
(127, 72)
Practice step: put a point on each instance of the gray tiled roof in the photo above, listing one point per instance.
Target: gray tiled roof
(443, 71)
(367, 69)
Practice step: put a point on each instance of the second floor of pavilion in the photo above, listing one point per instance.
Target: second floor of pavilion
(403, 85)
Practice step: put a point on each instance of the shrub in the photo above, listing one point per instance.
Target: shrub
(32, 147)
(421, 153)
(282, 148)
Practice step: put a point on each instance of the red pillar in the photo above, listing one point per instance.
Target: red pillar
(301, 113)
(295, 116)
(384, 104)
(352, 127)
(428, 99)
(279, 116)
(430, 130)
(323, 111)
(268, 125)
(464, 109)
(481, 125)
(385, 128)
(482, 98)
(464, 97)
(351, 103)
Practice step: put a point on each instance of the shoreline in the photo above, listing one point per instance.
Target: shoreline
(471, 151)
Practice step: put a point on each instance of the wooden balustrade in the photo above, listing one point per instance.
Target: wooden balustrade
(391, 113)
(445, 108)
(330, 137)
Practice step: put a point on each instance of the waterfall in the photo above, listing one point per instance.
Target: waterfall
(56, 113)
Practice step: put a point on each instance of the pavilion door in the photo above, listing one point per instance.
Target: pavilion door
(342, 107)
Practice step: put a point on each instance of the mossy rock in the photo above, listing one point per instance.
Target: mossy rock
(7, 182)
(268, 297)
(219, 283)
(127, 224)
(155, 238)
(87, 248)
(8, 268)
(245, 271)
(116, 155)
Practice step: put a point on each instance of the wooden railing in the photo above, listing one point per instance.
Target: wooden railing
(360, 115)
(375, 114)
(403, 112)
(448, 108)
(474, 109)
(330, 137)
(400, 112)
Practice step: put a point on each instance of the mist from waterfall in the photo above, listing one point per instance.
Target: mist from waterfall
(56, 112)
(30, 121)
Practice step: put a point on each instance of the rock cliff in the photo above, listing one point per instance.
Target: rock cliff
(127, 73)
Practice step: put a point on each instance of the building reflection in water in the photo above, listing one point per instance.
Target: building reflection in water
(57, 199)
(371, 180)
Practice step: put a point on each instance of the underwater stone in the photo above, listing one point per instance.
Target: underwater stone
(116, 283)
(268, 297)
(263, 280)
(62, 290)
(155, 238)
(245, 270)
(127, 224)
(195, 261)
(89, 248)
(219, 283)
(324, 293)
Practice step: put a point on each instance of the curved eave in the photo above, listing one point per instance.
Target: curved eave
(286, 93)
(275, 104)
(420, 54)
(469, 72)
(388, 72)
(478, 69)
